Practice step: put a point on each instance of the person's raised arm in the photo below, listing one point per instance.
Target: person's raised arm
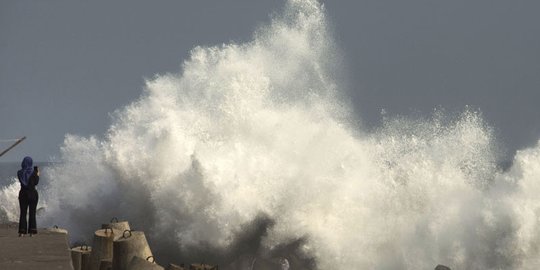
(35, 176)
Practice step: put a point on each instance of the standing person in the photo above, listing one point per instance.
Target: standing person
(28, 196)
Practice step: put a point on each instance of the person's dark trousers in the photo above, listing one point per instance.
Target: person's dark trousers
(28, 199)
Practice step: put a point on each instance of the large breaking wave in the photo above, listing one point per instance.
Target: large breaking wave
(250, 152)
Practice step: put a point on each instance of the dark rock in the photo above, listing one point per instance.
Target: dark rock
(442, 267)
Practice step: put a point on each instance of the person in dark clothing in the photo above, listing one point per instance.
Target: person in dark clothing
(28, 196)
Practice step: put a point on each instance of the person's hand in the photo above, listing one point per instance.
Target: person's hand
(36, 168)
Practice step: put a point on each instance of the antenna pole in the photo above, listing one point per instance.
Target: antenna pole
(13, 145)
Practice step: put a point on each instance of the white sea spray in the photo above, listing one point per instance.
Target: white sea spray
(261, 129)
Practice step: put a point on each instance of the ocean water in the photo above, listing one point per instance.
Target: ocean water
(250, 154)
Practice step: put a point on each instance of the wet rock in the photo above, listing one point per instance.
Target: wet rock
(173, 266)
(138, 263)
(442, 267)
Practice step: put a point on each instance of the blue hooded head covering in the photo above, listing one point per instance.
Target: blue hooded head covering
(26, 171)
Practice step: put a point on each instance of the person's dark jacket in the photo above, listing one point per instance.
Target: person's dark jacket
(30, 189)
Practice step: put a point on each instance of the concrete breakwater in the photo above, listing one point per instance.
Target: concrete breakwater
(114, 247)
(49, 249)
(117, 247)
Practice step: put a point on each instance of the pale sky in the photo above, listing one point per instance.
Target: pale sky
(66, 64)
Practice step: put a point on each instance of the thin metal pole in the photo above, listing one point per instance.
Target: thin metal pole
(13, 145)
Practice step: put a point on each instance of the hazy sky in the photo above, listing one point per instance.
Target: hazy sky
(66, 64)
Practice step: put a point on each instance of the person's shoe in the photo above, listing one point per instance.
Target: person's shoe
(20, 234)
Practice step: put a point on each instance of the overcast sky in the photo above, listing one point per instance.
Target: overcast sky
(66, 64)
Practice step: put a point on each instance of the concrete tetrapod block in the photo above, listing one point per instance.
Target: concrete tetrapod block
(117, 225)
(80, 257)
(105, 264)
(138, 263)
(102, 247)
(131, 244)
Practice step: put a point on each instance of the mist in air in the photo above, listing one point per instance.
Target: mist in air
(252, 152)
